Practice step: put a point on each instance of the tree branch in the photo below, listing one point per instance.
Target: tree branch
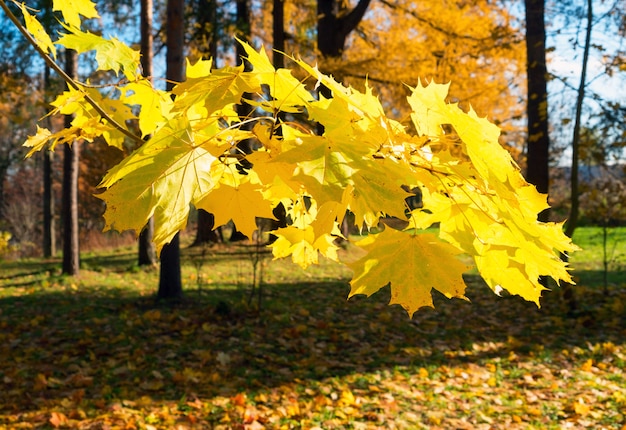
(350, 21)
(71, 82)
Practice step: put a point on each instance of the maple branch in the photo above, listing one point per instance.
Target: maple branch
(70, 82)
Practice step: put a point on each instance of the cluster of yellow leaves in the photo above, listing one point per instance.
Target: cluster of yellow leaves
(471, 188)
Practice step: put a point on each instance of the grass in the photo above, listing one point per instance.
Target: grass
(97, 352)
(589, 261)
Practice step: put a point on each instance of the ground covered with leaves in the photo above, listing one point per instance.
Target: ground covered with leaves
(98, 353)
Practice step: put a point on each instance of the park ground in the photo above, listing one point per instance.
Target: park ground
(97, 352)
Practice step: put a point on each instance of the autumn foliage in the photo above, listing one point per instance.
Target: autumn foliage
(472, 191)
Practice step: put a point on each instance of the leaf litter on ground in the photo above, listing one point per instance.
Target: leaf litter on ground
(97, 352)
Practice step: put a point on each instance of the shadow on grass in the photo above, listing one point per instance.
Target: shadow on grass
(102, 346)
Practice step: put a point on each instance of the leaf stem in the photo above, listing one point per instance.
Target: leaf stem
(71, 82)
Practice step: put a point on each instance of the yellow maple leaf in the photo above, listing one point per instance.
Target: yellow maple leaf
(111, 54)
(241, 204)
(428, 263)
(155, 105)
(72, 9)
(40, 35)
(161, 178)
(199, 68)
(303, 246)
(286, 92)
(38, 141)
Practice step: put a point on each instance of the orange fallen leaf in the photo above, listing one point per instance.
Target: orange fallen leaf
(57, 419)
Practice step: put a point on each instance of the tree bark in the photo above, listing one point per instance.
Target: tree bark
(334, 25)
(49, 231)
(205, 232)
(572, 220)
(278, 33)
(537, 161)
(71, 251)
(146, 251)
(207, 19)
(568, 289)
(170, 282)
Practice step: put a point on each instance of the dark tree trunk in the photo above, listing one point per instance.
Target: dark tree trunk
(205, 232)
(537, 161)
(170, 282)
(49, 231)
(334, 24)
(146, 251)
(207, 19)
(71, 251)
(278, 33)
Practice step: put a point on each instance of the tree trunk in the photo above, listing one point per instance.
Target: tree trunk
(570, 225)
(49, 231)
(146, 251)
(334, 24)
(278, 33)
(205, 232)
(170, 282)
(537, 161)
(572, 220)
(207, 19)
(71, 252)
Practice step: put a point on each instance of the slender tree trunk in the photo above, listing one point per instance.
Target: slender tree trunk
(49, 231)
(146, 251)
(71, 251)
(570, 225)
(537, 164)
(207, 18)
(170, 282)
(572, 220)
(278, 33)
